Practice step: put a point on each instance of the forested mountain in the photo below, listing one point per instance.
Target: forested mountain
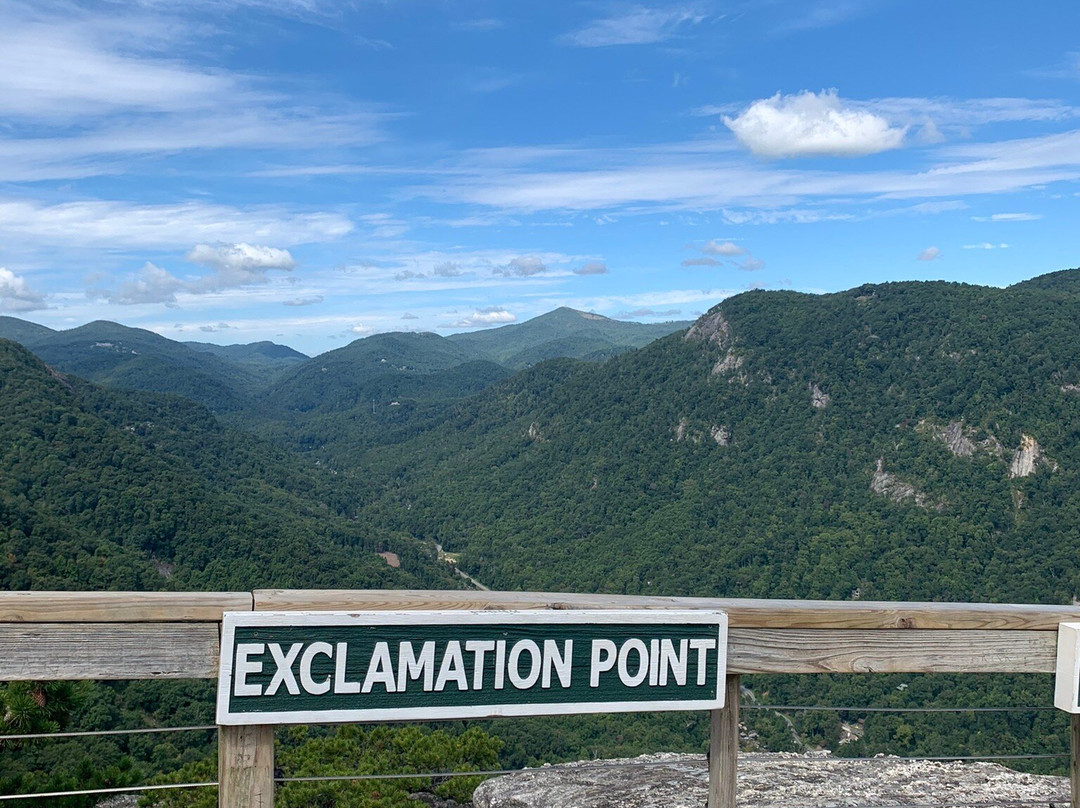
(107, 490)
(23, 332)
(909, 440)
(132, 358)
(565, 333)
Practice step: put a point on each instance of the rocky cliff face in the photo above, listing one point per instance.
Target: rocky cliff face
(810, 781)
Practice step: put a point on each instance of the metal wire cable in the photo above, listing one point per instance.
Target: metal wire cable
(793, 708)
(92, 733)
(118, 790)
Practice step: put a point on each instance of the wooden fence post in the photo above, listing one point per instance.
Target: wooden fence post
(724, 748)
(246, 767)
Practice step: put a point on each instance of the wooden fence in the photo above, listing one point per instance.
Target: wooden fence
(169, 635)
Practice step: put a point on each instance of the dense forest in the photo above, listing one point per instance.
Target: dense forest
(899, 441)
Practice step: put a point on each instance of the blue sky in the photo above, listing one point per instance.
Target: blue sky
(313, 172)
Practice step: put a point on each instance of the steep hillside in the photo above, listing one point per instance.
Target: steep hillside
(563, 332)
(913, 440)
(100, 489)
(23, 332)
(365, 369)
(132, 358)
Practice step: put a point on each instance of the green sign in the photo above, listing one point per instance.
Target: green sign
(323, 667)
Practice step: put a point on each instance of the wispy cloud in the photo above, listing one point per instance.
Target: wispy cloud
(114, 224)
(634, 25)
(929, 254)
(1008, 217)
(986, 245)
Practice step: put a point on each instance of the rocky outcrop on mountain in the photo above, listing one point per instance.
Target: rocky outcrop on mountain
(1028, 457)
(960, 439)
(889, 485)
(730, 361)
(711, 328)
(816, 780)
(717, 432)
(818, 398)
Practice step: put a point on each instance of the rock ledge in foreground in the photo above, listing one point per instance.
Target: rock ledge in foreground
(771, 781)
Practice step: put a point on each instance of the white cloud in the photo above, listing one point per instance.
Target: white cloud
(304, 301)
(929, 254)
(986, 245)
(592, 268)
(704, 261)
(152, 284)
(636, 25)
(812, 125)
(751, 264)
(492, 315)
(236, 265)
(16, 294)
(726, 248)
(124, 224)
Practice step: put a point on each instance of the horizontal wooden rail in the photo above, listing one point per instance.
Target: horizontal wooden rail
(124, 635)
(61, 651)
(120, 607)
(742, 613)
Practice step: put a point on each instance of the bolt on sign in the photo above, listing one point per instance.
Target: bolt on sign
(1067, 677)
(324, 667)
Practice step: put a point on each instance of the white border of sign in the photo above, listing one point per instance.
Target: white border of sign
(1067, 674)
(231, 620)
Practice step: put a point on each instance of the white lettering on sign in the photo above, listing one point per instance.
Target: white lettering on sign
(244, 666)
(284, 674)
(341, 659)
(312, 651)
(657, 661)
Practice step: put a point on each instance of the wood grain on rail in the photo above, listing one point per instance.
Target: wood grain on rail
(742, 613)
(56, 651)
(120, 607)
(919, 651)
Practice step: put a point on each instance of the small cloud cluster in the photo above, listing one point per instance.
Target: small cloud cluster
(16, 294)
(522, 267)
(233, 266)
(592, 268)
(929, 254)
(446, 269)
(210, 329)
(646, 311)
(304, 301)
(986, 245)
(717, 253)
(492, 315)
(812, 125)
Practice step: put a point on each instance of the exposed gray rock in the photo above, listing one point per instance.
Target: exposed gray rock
(711, 328)
(1029, 457)
(818, 398)
(731, 361)
(889, 485)
(534, 433)
(955, 439)
(721, 434)
(816, 780)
